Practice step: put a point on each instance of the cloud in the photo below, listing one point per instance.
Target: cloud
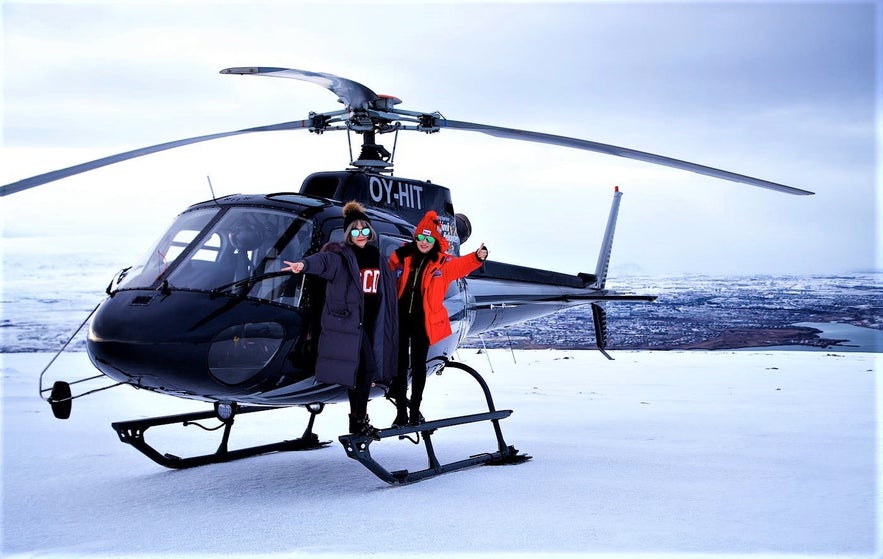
(781, 91)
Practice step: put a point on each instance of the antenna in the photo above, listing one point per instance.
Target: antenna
(486, 354)
(212, 190)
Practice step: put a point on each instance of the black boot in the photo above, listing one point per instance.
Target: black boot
(401, 416)
(398, 396)
(359, 425)
(416, 418)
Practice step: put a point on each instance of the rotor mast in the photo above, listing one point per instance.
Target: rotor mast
(374, 156)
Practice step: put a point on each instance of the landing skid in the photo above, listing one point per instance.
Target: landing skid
(132, 432)
(357, 447)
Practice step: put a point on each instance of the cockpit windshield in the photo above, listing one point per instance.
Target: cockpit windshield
(243, 251)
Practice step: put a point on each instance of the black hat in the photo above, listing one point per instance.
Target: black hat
(353, 211)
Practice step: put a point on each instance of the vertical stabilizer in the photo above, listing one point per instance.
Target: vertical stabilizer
(607, 244)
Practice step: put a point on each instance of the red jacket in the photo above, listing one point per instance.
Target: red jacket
(439, 273)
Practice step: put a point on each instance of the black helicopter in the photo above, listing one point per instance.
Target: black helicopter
(207, 314)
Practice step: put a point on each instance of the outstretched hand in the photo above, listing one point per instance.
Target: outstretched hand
(293, 267)
(481, 253)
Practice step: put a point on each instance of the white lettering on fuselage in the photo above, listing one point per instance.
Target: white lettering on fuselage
(403, 194)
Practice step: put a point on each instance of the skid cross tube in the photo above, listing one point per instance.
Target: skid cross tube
(357, 447)
(132, 432)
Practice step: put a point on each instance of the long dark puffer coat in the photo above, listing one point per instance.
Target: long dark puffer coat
(341, 319)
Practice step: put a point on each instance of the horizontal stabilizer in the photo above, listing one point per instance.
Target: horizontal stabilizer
(511, 272)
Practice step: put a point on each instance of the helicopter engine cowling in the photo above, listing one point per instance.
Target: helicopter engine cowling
(464, 227)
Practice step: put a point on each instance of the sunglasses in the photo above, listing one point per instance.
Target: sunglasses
(426, 238)
(364, 231)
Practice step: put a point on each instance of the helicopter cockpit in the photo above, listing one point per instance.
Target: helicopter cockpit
(241, 250)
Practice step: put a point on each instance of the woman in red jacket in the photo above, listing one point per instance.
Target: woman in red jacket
(424, 271)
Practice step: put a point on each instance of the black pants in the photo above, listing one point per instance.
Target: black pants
(358, 395)
(413, 351)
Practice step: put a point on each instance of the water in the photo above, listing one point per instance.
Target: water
(858, 339)
(46, 293)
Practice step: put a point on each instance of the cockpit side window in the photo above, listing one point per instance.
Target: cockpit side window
(166, 251)
(388, 244)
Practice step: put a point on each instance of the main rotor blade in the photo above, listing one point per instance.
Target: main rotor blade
(37, 180)
(526, 135)
(352, 94)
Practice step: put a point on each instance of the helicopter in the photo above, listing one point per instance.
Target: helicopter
(208, 315)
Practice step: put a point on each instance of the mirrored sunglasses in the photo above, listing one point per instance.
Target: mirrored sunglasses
(364, 231)
(426, 238)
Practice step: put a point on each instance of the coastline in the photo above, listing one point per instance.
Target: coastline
(803, 336)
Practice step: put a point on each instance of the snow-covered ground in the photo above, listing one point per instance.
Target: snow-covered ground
(655, 454)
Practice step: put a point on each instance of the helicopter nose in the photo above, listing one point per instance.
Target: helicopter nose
(193, 343)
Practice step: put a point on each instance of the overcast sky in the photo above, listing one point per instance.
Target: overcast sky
(784, 91)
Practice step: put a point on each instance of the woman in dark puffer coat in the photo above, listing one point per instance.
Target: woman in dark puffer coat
(358, 346)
